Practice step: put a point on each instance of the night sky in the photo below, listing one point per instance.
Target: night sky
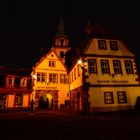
(26, 27)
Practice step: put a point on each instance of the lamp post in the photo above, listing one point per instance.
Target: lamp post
(86, 104)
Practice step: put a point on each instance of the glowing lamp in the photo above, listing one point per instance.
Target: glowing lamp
(79, 62)
(34, 76)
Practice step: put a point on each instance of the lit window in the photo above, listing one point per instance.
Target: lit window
(121, 97)
(92, 68)
(108, 97)
(113, 45)
(117, 67)
(53, 78)
(128, 67)
(52, 64)
(23, 82)
(63, 78)
(41, 77)
(105, 66)
(19, 99)
(102, 44)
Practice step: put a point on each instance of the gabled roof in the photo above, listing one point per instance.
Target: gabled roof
(44, 57)
(15, 71)
(96, 31)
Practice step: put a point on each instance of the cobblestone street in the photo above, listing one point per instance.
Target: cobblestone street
(43, 125)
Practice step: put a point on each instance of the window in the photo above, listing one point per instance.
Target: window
(53, 78)
(41, 77)
(63, 78)
(105, 66)
(52, 64)
(102, 44)
(78, 70)
(113, 45)
(92, 67)
(128, 67)
(74, 73)
(108, 97)
(23, 82)
(62, 42)
(19, 99)
(72, 76)
(62, 54)
(117, 67)
(121, 97)
(10, 81)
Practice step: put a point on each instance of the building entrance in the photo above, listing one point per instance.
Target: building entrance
(46, 101)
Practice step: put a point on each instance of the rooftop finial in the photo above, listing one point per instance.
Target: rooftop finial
(88, 28)
(61, 27)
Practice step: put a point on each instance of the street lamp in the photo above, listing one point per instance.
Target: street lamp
(86, 103)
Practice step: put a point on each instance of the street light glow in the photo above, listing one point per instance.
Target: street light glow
(79, 62)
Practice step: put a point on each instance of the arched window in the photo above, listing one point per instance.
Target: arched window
(62, 54)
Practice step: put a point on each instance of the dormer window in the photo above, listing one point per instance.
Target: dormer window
(102, 44)
(113, 45)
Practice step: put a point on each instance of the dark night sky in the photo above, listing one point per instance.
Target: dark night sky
(26, 27)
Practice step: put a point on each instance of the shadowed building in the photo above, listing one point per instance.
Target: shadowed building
(15, 88)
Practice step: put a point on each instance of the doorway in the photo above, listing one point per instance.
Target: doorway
(46, 102)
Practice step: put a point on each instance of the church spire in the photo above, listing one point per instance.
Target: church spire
(61, 39)
(88, 28)
(61, 27)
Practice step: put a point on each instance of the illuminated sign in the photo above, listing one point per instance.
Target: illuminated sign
(41, 87)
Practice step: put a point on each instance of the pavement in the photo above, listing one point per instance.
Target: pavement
(69, 125)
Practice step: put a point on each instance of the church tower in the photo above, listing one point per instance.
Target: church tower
(61, 42)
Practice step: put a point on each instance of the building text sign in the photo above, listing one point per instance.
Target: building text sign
(113, 81)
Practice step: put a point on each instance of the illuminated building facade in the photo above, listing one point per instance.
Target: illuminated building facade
(15, 88)
(99, 74)
(51, 85)
(103, 75)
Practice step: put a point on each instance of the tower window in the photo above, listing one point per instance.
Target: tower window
(61, 42)
(62, 54)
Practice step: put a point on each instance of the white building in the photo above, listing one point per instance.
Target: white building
(100, 74)
(110, 78)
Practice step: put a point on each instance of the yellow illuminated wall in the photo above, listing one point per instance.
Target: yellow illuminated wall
(11, 99)
(59, 68)
(100, 83)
